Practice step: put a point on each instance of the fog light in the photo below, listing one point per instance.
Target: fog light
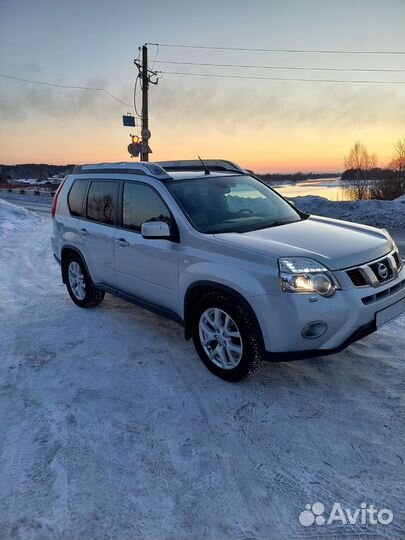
(314, 330)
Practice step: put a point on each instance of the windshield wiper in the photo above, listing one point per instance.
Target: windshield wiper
(276, 223)
(282, 222)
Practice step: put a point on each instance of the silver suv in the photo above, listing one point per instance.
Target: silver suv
(209, 245)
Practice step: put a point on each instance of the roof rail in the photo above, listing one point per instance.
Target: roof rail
(124, 167)
(196, 165)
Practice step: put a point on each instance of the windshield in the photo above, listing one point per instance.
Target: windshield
(231, 204)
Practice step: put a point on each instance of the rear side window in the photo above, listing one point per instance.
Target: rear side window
(76, 196)
(140, 204)
(102, 202)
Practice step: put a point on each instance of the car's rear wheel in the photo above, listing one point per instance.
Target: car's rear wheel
(226, 336)
(79, 284)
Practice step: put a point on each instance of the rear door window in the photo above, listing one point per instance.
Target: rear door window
(76, 196)
(102, 201)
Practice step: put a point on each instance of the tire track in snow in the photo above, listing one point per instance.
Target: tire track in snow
(239, 464)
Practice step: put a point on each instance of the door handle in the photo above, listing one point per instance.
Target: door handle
(122, 242)
(84, 232)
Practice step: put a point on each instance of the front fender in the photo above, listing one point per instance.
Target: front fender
(243, 282)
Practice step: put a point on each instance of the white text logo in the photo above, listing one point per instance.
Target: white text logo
(366, 514)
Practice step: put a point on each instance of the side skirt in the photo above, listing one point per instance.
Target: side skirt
(150, 306)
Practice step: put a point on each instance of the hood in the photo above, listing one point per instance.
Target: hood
(337, 244)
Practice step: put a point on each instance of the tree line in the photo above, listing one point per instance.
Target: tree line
(364, 180)
(39, 171)
(295, 177)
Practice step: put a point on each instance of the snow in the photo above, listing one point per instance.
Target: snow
(111, 427)
(13, 218)
(387, 214)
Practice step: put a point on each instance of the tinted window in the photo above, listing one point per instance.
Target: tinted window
(76, 196)
(102, 201)
(140, 204)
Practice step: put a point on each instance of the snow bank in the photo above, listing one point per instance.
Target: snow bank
(388, 214)
(14, 218)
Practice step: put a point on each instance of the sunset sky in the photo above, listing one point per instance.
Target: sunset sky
(265, 125)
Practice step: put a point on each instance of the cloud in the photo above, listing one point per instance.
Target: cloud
(229, 106)
(277, 104)
(24, 100)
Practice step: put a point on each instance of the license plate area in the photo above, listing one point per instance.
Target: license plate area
(389, 313)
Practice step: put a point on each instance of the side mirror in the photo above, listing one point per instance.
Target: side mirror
(155, 230)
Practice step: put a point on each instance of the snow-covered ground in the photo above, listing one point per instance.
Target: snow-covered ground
(111, 427)
(13, 218)
(388, 214)
(28, 197)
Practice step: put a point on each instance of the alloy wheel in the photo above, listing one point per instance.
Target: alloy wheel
(76, 280)
(220, 338)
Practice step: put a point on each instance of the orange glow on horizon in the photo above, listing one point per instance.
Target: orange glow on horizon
(285, 151)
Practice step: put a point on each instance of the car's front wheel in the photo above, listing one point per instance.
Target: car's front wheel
(79, 284)
(226, 336)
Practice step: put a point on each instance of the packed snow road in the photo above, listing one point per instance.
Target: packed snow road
(111, 427)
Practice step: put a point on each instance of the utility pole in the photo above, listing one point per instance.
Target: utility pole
(147, 76)
(145, 119)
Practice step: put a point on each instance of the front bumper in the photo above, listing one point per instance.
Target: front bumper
(358, 334)
(282, 318)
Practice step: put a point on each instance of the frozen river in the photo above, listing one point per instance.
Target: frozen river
(330, 188)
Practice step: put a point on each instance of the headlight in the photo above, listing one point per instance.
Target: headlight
(301, 275)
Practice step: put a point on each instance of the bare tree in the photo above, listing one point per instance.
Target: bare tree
(359, 162)
(384, 184)
(398, 160)
(395, 187)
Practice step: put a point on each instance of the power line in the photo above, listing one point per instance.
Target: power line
(257, 49)
(44, 83)
(217, 75)
(249, 66)
(155, 59)
(135, 107)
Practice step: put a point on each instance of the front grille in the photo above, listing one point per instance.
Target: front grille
(357, 277)
(398, 259)
(383, 294)
(377, 272)
(383, 270)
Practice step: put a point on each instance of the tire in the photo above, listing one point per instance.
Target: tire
(84, 295)
(239, 349)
